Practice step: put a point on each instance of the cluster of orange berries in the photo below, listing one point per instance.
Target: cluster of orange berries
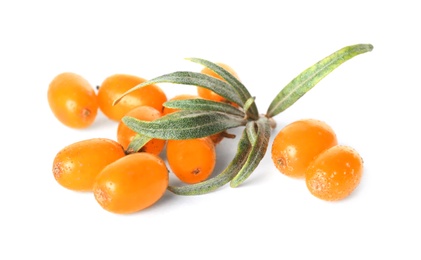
(126, 180)
(121, 180)
(309, 149)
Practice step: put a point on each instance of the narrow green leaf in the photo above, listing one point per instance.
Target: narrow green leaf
(243, 148)
(251, 131)
(203, 104)
(248, 104)
(137, 143)
(231, 79)
(312, 75)
(195, 79)
(256, 154)
(185, 124)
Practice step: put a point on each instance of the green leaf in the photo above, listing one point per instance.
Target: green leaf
(249, 104)
(251, 131)
(137, 143)
(185, 124)
(220, 87)
(257, 152)
(311, 76)
(232, 80)
(209, 185)
(203, 104)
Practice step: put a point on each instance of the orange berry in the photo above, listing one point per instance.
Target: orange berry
(125, 135)
(76, 166)
(72, 100)
(191, 160)
(131, 183)
(298, 143)
(335, 173)
(209, 94)
(166, 110)
(115, 85)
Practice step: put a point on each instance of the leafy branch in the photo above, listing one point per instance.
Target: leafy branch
(199, 118)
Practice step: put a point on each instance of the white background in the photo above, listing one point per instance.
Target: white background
(371, 101)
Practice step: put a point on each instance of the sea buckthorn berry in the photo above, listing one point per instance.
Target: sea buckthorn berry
(125, 135)
(167, 110)
(209, 94)
(115, 85)
(335, 173)
(191, 160)
(76, 166)
(298, 143)
(72, 100)
(131, 183)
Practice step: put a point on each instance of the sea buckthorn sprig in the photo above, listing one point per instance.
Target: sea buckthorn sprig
(200, 118)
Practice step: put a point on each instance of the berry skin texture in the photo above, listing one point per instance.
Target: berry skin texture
(131, 183)
(76, 166)
(297, 144)
(209, 94)
(335, 173)
(192, 160)
(72, 100)
(125, 135)
(115, 85)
